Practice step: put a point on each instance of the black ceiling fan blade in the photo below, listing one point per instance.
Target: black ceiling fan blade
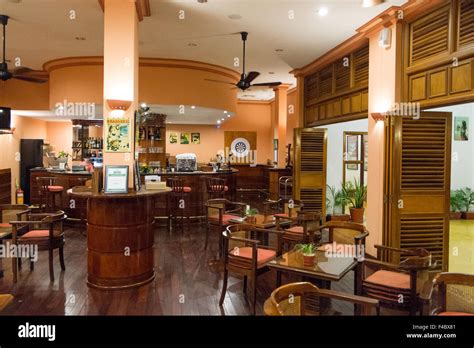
(268, 84)
(252, 76)
(23, 71)
(30, 79)
(219, 81)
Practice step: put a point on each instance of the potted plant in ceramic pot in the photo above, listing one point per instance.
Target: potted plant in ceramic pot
(337, 201)
(467, 197)
(308, 251)
(456, 202)
(250, 214)
(356, 195)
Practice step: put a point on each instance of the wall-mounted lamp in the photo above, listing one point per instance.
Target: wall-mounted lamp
(378, 116)
(118, 106)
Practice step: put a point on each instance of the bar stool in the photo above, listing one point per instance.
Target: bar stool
(216, 187)
(178, 200)
(48, 192)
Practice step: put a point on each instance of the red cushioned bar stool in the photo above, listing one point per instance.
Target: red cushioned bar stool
(178, 201)
(48, 192)
(216, 188)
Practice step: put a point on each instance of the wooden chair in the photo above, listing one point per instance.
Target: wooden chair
(216, 187)
(178, 201)
(304, 227)
(291, 300)
(48, 192)
(245, 254)
(282, 207)
(5, 300)
(348, 236)
(401, 286)
(455, 294)
(46, 239)
(219, 212)
(9, 212)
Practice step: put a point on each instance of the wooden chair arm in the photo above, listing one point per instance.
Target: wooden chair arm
(213, 206)
(245, 240)
(381, 264)
(26, 222)
(426, 291)
(361, 236)
(396, 250)
(409, 267)
(349, 297)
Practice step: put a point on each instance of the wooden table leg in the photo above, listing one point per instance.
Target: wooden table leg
(278, 278)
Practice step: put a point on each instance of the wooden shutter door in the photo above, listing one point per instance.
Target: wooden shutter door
(418, 182)
(309, 171)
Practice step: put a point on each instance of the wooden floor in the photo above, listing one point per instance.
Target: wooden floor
(184, 285)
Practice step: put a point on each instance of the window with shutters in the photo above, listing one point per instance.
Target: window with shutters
(325, 81)
(342, 72)
(361, 67)
(466, 23)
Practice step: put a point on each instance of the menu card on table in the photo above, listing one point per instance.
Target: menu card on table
(116, 179)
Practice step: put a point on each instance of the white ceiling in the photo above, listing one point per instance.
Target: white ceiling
(176, 114)
(42, 30)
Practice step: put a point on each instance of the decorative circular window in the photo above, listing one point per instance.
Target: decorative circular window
(240, 147)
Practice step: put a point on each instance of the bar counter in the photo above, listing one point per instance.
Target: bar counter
(120, 237)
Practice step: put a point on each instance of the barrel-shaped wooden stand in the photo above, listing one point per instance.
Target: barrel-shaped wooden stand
(120, 239)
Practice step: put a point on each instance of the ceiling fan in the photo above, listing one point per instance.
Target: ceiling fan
(21, 73)
(246, 79)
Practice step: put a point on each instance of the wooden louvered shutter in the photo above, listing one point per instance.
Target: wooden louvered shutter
(466, 23)
(429, 36)
(417, 206)
(309, 172)
(342, 74)
(361, 67)
(325, 81)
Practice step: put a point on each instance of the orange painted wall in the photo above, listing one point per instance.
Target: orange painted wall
(292, 120)
(59, 135)
(21, 95)
(249, 117)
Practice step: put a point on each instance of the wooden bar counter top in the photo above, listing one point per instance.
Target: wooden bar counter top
(120, 237)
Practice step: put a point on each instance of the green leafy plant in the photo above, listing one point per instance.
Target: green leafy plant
(251, 211)
(337, 199)
(63, 154)
(467, 197)
(306, 249)
(354, 193)
(456, 201)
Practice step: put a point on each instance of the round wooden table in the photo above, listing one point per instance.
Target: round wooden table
(120, 237)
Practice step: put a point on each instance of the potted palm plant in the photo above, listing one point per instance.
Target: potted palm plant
(250, 214)
(467, 197)
(456, 202)
(308, 251)
(337, 201)
(356, 195)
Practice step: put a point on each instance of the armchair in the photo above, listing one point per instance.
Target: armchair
(455, 294)
(303, 227)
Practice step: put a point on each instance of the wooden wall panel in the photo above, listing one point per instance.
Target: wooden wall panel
(5, 186)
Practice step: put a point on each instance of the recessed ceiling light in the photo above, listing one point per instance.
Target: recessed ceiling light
(323, 11)
(143, 105)
(370, 3)
(192, 44)
(202, 1)
(228, 116)
(225, 111)
(234, 16)
(271, 72)
(80, 38)
(193, 107)
(218, 121)
(279, 50)
(222, 119)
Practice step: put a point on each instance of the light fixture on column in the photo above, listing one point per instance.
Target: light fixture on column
(118, 107)
(378, 116)
(385, 38)
(370, 3)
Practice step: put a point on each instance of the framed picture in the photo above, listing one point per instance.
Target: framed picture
(118, 135)
(173, 138)
(196, 138)
(185, 139)
(352, 151)
(116, 179)
(366, 152)
(461, 128)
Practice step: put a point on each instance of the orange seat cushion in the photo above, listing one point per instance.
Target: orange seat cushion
(460, 314)
(218, 188)
(390, 279)
(295, 229)
(263, 255)
(5, 225)
(38, 234)
(283, 215)
(225, 218)
(55, 188)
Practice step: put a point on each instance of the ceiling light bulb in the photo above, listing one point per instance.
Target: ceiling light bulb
(218, 121)
(228, 116)
(143, 105)
(370, 3)
(222, 119)
(193, 107)
(225, 111)
(323, 11)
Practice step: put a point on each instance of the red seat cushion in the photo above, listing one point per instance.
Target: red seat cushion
(5, 225)
(390, 279)
(263, 255)
(55, 188)
(461, 314)
(219, 188)
(225, 218)
(185, 189)
(283, 215)
(295, 229)
(38, 234)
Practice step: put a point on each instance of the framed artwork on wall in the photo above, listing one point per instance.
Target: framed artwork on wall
(185, 139)
(118, 135)
(196, 138)
(352, 151)
(173, 138)
(461, 128)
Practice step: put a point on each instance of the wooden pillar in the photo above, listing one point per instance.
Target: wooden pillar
(120, 78)
(299, 105)
(279, 121)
